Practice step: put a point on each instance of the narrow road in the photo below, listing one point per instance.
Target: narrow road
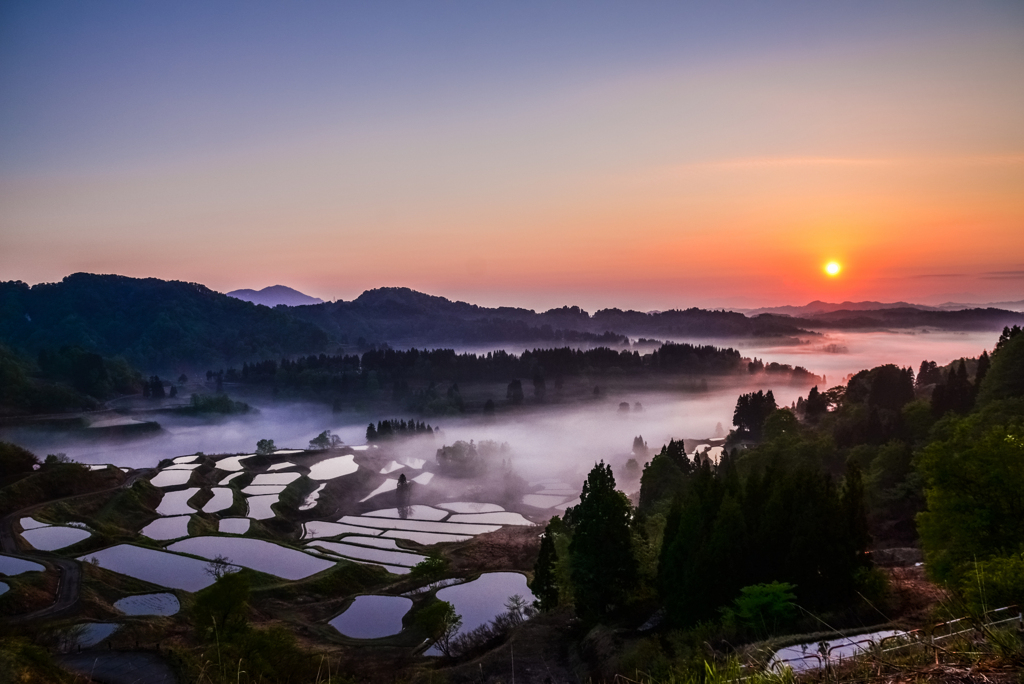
(69, 581)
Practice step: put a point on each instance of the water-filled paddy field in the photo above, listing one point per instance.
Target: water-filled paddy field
(343, 508)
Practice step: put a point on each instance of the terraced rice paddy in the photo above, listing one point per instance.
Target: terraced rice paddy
(31, 523)
(232, 463)
(312, 498)
(793, 656)
(257, 554)
(483, 599)
(4, 587)
(15, 566)
(158, 567)
(321, 529)
(260, 506)
(186, 459)
(231, 477)
(148, 604)
(426, 538)
(471, 507)
(330, 468)
(388, 485)
(222, 499)
(503, 518)
(174, 527)
(275, 479)
(372, 617)
(418, 525)
(376, 542)
(171, 478)
(411, 513)
(89, 634)
(176, 503)
(553, 494)
(54, 537)
(254, 490)
(383, 557)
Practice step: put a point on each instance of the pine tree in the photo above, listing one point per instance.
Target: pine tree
(601, 551)
(545, 586)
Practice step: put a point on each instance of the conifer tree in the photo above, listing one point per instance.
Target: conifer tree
(601, 551)
(545, 586)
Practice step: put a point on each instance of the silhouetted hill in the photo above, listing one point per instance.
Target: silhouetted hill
(275, 295)
(160, 325)
(820, 307)
(405, 317)
(154, 324)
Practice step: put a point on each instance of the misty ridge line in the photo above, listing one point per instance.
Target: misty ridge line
(170, 326)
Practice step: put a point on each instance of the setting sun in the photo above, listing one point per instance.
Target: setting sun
(832, 268)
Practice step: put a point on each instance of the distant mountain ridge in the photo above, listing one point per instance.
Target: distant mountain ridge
(165, 325)
(275, 295)
(818, 307)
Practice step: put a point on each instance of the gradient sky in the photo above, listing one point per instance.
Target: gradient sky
(647, 155)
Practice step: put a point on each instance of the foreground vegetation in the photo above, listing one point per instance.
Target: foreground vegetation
(711, 566)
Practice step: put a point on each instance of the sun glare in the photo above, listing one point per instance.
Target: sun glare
(832, 268)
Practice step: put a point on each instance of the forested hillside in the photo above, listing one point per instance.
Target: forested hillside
(773, 539)
(153, 324)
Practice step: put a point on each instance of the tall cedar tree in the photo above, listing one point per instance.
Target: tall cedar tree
(601, 550)
(544, 585)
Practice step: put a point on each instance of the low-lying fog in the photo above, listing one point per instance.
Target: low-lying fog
(562, 440)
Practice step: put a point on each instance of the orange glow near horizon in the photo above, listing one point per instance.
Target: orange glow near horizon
(709, 176)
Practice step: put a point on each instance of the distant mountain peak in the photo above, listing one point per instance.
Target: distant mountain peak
(275, 295)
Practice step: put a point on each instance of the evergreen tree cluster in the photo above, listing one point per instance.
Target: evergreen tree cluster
(466, 459)
(386, 429)
(790, 524)
(972, 529)
(751, 411)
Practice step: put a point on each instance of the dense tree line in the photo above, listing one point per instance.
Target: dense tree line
(787, 521)
(720, 531)
(391, 365)
(386, 429)
(972, 528)
(427, 381)
(790, 523)
(62, 379)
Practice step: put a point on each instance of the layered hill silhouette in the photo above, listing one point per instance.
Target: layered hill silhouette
(158, 325)
(275, 295)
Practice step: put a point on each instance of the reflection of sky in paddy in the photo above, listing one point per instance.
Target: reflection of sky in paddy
(15, 566)
(53, 538)
(257, 554)
(159, 567)
(174, 527)
(175, 503)
(483, 599)
(372, 617)
(148, 604)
